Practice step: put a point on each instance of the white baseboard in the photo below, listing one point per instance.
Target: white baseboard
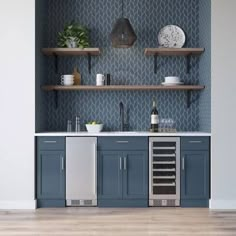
(18, 205)
(223, 204)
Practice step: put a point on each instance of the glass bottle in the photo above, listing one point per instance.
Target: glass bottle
(69, 126)
(77, 124)
(154, 118)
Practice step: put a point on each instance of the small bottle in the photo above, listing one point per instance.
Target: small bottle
(69, 126)
(108, 79)
(77, 76)
(154, 118)
(77, 124)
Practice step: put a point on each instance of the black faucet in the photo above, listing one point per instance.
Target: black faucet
(122, 119)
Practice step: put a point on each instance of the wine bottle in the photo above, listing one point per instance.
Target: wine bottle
(154, 118)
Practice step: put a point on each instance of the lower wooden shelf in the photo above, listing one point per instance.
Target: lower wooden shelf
(121, 87)
(188, 88)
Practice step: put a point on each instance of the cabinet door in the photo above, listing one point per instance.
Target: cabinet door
(135, 175)
(109, 175)
(195, 175)
(50, 175)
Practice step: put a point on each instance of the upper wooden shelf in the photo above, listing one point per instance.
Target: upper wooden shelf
(121, 87)
(71, 51)
(173, 51)
(187, 52)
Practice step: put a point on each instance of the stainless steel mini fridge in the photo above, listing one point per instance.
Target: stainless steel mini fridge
(81, 171)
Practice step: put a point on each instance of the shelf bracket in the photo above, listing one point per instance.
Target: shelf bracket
(155, 63)
(55, 92)
(189, 93)
(89, 63)
(188, 63)
(55, 62)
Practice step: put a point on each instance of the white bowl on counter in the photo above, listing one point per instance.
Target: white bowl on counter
(94, 128)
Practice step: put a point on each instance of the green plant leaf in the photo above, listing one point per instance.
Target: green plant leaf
(77, 31)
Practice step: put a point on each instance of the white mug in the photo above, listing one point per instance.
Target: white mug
(67, 80)
(67, 77)
(100, 79)
(172, 79)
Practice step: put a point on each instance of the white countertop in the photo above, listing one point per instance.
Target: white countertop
(131, 133)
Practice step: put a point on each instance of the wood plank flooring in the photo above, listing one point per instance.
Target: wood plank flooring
(118, 222)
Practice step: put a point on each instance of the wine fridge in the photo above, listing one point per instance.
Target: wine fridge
(164, 171)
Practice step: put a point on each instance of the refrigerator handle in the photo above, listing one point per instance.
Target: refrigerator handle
(95, 168)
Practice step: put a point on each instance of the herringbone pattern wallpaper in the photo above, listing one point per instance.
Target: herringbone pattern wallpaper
(205, 65)
(126, 66)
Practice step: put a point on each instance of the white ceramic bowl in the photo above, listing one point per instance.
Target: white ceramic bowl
(94, 128)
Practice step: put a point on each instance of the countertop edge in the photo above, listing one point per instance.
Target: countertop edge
(138, 134)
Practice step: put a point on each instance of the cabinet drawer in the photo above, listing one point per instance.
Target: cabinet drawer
(122, 143)
(195, 143)
(51, 143)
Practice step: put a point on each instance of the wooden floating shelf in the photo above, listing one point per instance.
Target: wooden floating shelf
(71, 51)
(121, 87)
(187, 88)
(55, 52)
(173, 51)
(187, 52)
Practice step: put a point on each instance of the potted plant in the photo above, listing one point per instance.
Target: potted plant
(74, 36)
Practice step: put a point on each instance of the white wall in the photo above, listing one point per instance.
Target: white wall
(17, 99)
(223, 104)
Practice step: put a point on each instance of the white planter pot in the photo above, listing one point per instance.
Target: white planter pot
(71, 43)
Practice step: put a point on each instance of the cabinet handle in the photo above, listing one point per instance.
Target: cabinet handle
(62, 163)
(95, 168)
(195, 141)
(122, 141)
(120, 163)
(183, 163)
(47, 141)
(125, 163)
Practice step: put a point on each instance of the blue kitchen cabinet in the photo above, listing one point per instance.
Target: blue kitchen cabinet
(50, 172)
(109, 175)
(122, 172)
(195, 172)
(135, 175)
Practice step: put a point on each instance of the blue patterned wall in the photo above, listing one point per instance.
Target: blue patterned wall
(127, 66)
(205, 65)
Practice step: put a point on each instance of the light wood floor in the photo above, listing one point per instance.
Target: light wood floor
(118, 222)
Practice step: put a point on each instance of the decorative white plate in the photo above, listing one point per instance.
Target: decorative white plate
(171, 36)
(172, 84)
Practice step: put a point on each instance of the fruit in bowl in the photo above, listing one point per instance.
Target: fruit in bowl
(94, 127)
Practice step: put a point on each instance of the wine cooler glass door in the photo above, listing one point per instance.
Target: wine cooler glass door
(164, 168)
